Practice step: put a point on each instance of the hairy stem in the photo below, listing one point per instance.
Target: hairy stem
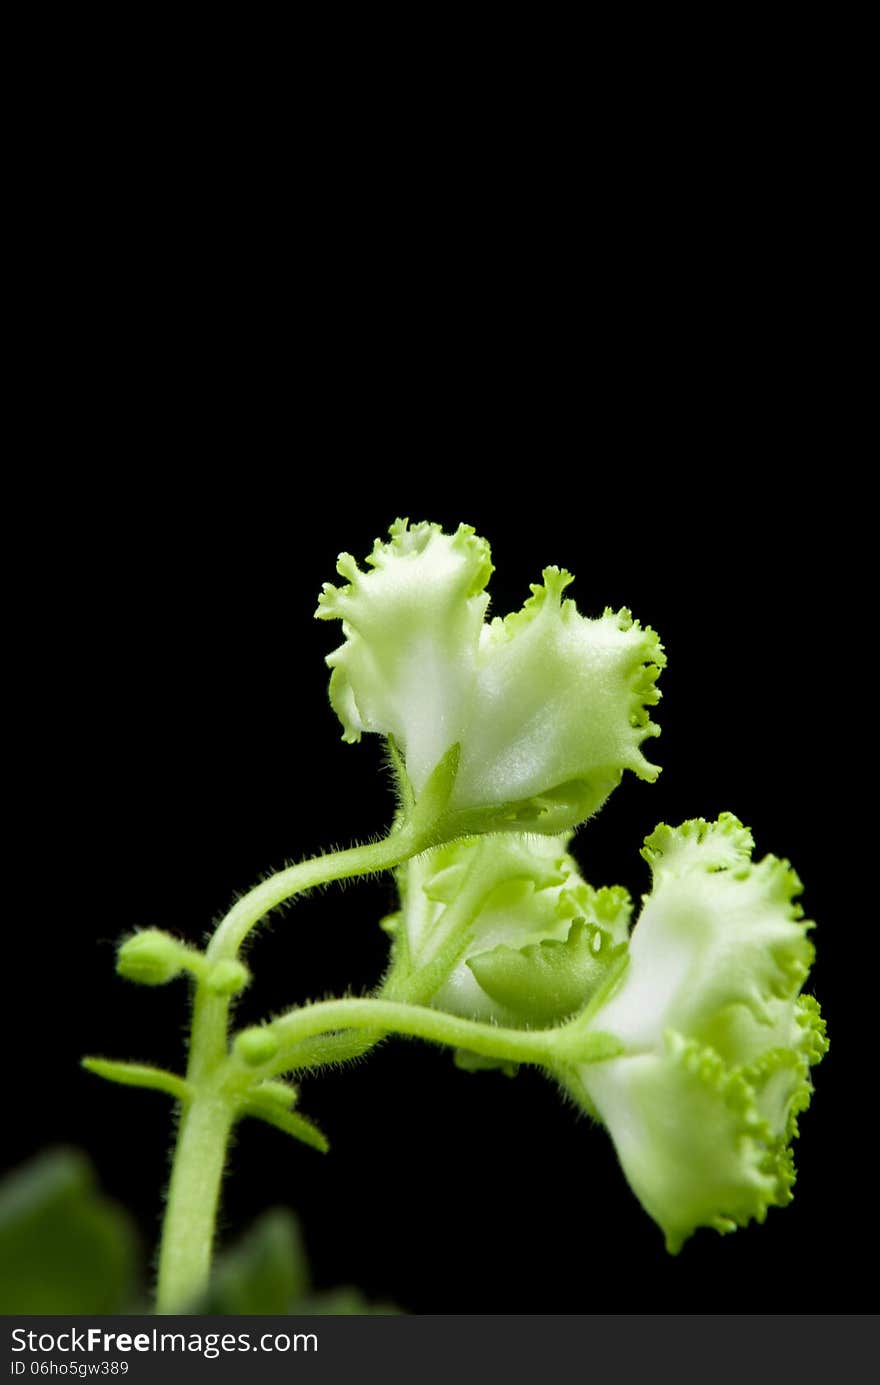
(214, 1104)
(193, 1198)
(398, 846)
(386, 1016)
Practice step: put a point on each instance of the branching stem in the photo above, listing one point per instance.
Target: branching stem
(218, 1090)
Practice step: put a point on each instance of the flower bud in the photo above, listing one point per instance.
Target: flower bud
(151, 957)
(227, 977)
(256, 1046)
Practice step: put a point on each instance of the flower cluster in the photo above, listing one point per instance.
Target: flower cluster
(701, 1005)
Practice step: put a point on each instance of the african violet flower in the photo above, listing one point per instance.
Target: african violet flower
(717, 1041)
(548, 707)
(504, 929)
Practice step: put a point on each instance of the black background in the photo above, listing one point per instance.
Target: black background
(662, 414)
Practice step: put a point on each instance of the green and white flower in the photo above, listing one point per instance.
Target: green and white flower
(702, 1104)
(503, 929)
(547, 707)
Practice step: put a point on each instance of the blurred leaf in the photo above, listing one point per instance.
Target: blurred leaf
(66, 1249)
(63, 1247)
(266, 1272)
(344, 1302)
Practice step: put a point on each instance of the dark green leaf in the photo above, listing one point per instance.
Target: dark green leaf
(344, 1303)
(63, 1247)
(266, 1272)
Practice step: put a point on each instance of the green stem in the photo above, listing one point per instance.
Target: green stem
(208, 1117)
(199, 1159)
(331, 1050)
(193, 1198)
(387, 1016)
(398, 846)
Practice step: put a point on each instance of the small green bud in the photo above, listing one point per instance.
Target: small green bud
(227, 977)
(281, 1094)
(151, 958)
(256, 1046)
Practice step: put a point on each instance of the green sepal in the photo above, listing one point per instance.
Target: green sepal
(138, 1075)
(570, 1078)
(550, 812)
(401, 778)
(426, 817)
(476, 1062)
(545, 982)
(264, 1105)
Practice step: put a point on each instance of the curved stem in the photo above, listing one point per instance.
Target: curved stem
(418, 1021)
(337, 865)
